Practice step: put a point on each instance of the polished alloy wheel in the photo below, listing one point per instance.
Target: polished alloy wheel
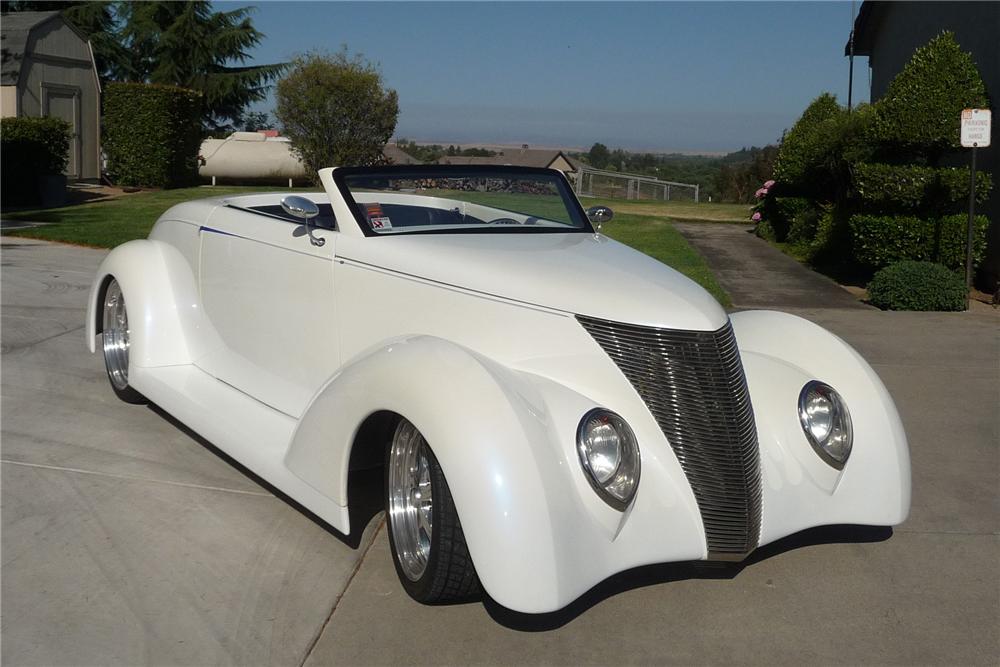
(411, 502)
(116, 336)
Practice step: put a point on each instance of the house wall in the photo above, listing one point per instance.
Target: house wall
(58, 79)
(562, 164)
(903, 27)
(8, 101)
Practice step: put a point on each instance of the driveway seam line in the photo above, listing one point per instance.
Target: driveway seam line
(343, 592)
(135, 478)
(28, 346)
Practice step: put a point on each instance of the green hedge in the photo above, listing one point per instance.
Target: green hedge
(31, 147)
(894, 187)
(879, 240)
(917, 286)
(781, 214)
(152, 134)
(804, 150)
(922, 107)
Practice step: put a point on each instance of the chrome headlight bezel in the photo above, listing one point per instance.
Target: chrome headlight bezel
(830, 448)
(621, 485)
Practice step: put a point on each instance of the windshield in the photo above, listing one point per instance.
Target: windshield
(459, 199)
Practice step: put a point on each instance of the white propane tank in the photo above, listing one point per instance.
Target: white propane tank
(249, 156)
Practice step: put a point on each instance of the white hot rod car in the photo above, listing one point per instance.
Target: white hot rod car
(551, 407)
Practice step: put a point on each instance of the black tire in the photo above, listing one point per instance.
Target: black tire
(449, 575)
(115, 343)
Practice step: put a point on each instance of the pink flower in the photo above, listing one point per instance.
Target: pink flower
(768, 184)
(761, 193)
(755, 217)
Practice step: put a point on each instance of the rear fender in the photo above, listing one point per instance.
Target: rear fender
(166, 322)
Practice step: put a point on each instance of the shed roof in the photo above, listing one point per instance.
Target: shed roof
(15, 31)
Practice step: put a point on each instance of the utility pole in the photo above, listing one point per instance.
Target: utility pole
(850, 77)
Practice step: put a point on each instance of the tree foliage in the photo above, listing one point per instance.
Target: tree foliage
(599, 156)
(188, 45)
(920, 112)
(336, 110)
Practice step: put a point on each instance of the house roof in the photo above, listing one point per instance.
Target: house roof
(865, 28)
(15, 30)
(520, 157)
(397, 155)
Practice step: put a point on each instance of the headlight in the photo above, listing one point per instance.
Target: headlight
(826, 422)
(609, 455)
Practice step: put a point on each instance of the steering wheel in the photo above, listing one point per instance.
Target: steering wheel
(503, 221)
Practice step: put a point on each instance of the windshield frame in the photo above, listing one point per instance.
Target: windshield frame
(572, 204)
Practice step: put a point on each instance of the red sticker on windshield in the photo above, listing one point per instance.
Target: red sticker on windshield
(376, 218)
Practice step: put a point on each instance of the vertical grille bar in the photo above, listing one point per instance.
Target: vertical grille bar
(694, 386)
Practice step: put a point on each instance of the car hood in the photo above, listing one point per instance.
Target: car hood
(584, 274)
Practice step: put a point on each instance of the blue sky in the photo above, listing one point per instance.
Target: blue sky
(710, 76)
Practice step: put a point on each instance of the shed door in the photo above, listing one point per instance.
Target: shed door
(64, 103)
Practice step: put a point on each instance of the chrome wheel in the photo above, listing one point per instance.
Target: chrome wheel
(411, 501)
(116, 336)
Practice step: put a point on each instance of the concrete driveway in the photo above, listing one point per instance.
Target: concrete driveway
(128, 540)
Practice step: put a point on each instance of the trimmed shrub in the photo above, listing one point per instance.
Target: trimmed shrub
(782, 212)
(152, 134)
(889, 187)
(31, 147)
(805, 147)
(921, 109)
(917, 286)
(879, 240)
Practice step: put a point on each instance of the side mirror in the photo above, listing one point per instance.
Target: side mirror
(598, 215)
(305, 210)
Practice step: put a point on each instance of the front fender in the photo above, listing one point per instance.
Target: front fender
(488, 429)
(782, 352)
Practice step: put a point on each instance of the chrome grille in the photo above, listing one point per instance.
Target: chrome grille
(694, 386)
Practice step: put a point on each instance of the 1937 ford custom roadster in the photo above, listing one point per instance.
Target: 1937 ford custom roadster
(551, 407)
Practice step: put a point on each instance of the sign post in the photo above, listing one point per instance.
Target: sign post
(975, 134)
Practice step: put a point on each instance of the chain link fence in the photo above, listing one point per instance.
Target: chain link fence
(612, 184)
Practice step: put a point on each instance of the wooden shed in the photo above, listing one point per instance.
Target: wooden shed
(48, 70)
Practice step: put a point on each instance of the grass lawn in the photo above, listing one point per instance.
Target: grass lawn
(109, 223)
(642, 225)
(657, 238)
(682, 211)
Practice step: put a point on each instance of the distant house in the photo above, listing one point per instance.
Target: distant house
(48, 70)
(522, 157)
(396, 155)
(889, 32)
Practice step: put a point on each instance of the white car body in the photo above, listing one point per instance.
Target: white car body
(277, 350)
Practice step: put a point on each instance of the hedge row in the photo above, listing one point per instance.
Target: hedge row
(895, 187)
(152, 134)
(31, 147)
(879, 240)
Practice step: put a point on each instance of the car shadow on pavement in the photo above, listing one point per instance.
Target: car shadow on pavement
(652, 575)
(364, 488)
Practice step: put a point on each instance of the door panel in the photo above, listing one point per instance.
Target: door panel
(64, 104)
(269, 294)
